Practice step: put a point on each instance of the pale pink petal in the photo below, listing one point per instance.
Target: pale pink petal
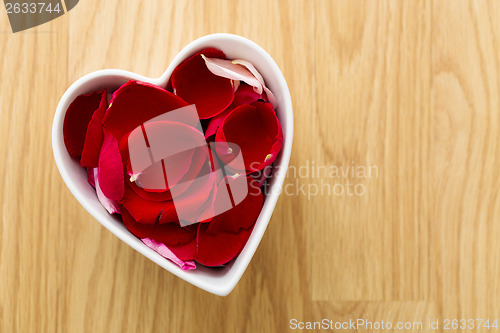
(225, 68)
(248, 65)
(111, 206)
(165, 252)
(236, 84)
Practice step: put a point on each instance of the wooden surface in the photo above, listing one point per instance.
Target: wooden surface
(410, 87)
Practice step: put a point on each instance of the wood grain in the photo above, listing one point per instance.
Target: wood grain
(409, 87)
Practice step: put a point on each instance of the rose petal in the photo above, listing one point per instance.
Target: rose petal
(240, 70)
(243, 215)
(199, 160)
(192, 81)
(90, 176)
(134, 103)
(186, 206)
(111, 176)
(259, 77)
(229, 70)
(262, 175)
(180, 240)
(76, 120)
(244, 95)
(165, 252)
(146, 211)
(94, 136)
(160, 146)
(216, 250)
(111, 206)
(256, 130)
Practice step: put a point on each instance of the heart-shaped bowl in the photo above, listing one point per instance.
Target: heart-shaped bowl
(219, 281)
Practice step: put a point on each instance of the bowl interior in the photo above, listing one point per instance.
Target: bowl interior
(219, 281)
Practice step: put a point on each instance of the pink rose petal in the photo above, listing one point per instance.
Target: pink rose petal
(259, 77)
(226, 68)
(111, 206)
(164, 251)
(111, 175)
(240, 70)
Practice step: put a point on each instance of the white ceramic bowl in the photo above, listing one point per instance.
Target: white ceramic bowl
(219, 281)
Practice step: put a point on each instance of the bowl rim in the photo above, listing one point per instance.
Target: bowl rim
(234, 271)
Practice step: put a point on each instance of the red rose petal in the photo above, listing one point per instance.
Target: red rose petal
(111, 175)
(134, 103)
(180, 240)
(95, 135)
(199, 160)
(168, 233)
(256, 130)
(244, 95)
(76, 120)
(216, 250)
(146, 211)
(189, 204)
(243, 215)
(149, 144)
(194, 82)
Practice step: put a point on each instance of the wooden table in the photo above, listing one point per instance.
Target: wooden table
(409, 88)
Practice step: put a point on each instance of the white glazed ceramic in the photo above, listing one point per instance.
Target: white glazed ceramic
(220, 281)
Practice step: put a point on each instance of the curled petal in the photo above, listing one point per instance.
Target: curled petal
(194, 83)
(94, 136)
(76, 121)
(259, 77)
(241, 70)
(229, 70)
(257, 132)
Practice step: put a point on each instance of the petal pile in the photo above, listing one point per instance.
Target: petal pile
(183, 165)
